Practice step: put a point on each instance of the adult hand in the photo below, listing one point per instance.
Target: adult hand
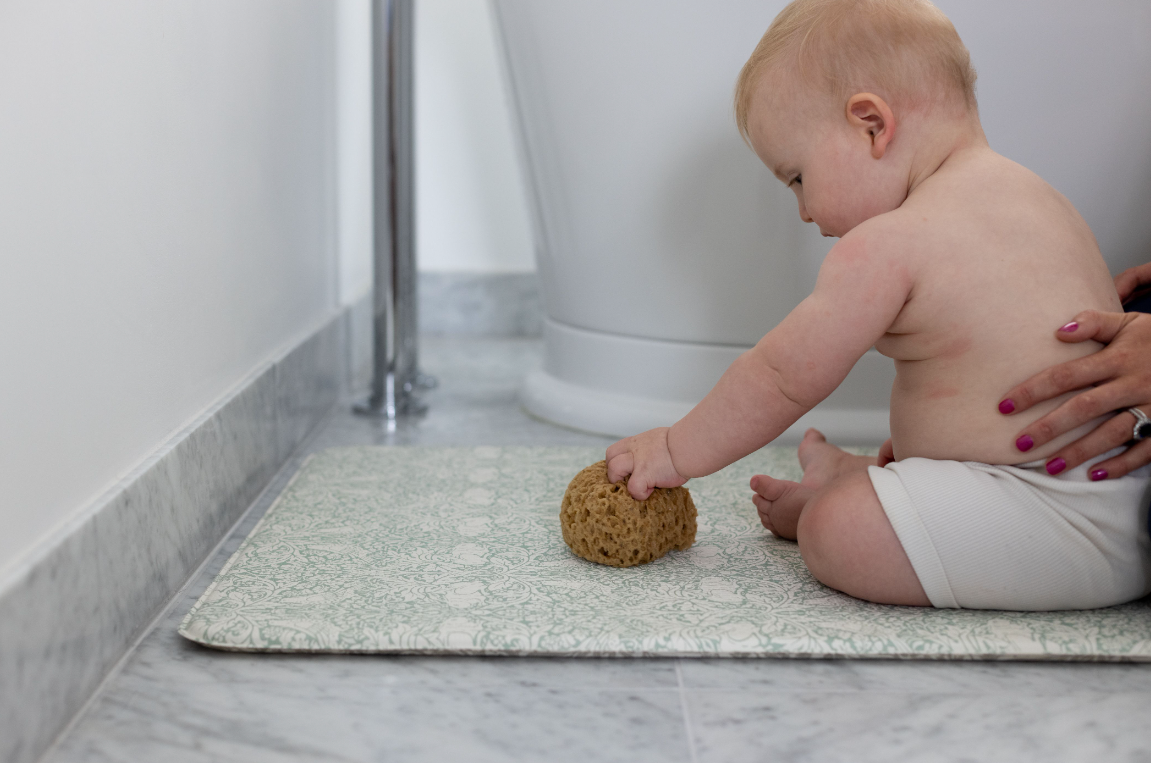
(1122, 371)
(1127, 282)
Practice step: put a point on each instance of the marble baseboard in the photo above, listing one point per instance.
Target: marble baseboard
(70, 613)
(488, 304)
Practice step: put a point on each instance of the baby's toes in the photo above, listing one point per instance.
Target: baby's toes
(763, 508)
(813, 435)
(771, 489)
(779, 503)
(812, 439)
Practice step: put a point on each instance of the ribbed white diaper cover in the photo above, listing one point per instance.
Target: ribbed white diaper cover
(1014, 537)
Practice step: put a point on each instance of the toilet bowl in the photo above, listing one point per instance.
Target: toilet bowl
(664, 247)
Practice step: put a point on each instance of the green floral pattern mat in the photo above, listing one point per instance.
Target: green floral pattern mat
(458, 551)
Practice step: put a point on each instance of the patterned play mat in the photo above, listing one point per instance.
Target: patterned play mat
(458, 551)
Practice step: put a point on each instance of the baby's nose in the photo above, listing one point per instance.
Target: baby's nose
(803, 213)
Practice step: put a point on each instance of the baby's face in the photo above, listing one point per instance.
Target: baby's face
(808, 144)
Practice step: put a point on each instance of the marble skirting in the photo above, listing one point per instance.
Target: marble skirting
(71, 612)
(483, 304)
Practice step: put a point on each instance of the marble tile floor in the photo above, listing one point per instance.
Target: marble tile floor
(175, 702)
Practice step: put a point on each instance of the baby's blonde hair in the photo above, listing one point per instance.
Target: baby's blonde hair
(906, 51)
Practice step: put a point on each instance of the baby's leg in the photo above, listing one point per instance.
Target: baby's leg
(844, 535)
(848, 543)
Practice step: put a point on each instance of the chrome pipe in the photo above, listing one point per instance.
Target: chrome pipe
(396, 378)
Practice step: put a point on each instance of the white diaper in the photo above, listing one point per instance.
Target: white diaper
(1014, 537)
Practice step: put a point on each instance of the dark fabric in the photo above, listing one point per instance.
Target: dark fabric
(1141, 304)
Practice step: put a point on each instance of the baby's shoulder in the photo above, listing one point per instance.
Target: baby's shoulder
(898, 235)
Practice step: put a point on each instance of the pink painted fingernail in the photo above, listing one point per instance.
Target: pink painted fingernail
(1006, 406)
(1067, 328)
(1056, 465)
(1025, 442)
(1098, 474)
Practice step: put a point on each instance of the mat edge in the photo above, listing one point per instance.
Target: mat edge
(243, 546)
(897, 656)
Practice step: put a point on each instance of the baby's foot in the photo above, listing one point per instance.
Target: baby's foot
(822, 462)
(779, 503)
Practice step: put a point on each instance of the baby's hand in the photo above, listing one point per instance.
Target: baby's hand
(647, 459)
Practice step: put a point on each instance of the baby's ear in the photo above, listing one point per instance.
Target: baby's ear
(873, 118)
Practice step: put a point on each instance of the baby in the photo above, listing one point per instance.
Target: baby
(955, 262)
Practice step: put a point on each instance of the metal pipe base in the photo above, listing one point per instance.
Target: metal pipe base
(393, 404)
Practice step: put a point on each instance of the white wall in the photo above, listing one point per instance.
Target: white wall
(471, 208)
(354, 147)
(1063, 90)
(167, 224)
(471, 212)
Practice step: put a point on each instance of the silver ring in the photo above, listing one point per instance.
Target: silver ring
(1142, 428)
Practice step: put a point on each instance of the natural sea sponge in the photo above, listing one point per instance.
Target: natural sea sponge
(602, 522)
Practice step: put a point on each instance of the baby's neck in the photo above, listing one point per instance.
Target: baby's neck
(939, 139)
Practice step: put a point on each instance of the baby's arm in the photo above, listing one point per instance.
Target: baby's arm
(862, 286)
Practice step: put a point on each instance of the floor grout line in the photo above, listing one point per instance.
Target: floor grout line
(686, 713)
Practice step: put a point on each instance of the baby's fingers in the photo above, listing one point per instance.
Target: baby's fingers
(640, 487)
(763, 509)
(620, 466)
(618, 447)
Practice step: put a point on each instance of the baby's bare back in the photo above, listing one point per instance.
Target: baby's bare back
(1000, 260)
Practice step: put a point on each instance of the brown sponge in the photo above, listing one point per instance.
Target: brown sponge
(602, 523)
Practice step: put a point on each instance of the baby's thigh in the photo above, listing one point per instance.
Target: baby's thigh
(848, 543)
